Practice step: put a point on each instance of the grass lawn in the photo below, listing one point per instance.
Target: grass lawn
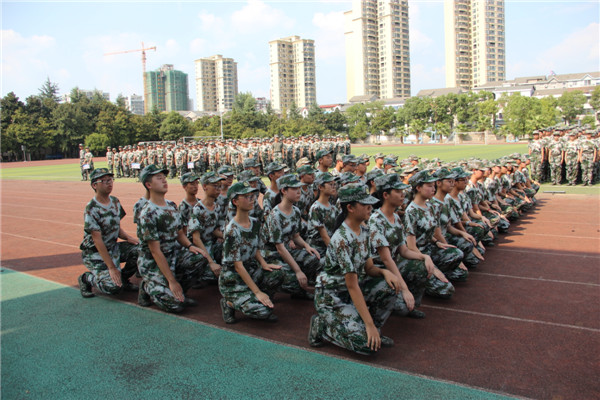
(70, 171)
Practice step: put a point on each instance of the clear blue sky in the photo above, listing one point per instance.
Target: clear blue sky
(66, 41)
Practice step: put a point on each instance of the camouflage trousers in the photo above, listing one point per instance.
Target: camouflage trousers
(119, 170)
(414, 274)
(509, 211)
(466, 247)
(339, 321)
(447, 261)
(571, 169)
(122, 252)
(555, 173)
(184, 265)
(215, 249)
(308, 263)
(234, 289)
(587, 170)
(536, 168)
(172, 171)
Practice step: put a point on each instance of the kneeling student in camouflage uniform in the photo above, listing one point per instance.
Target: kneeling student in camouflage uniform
(168, 261)
(353, 297)
(283, 243)
(421, 223)
(247, 282)
(101, 252)
(388, 243)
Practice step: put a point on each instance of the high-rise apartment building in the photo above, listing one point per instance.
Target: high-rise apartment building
(475, 46)
(377, 49)
(216, 83)
(135, 104)
(293, 78)
(167, 89)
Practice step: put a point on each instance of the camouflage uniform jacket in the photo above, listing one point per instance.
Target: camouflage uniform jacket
(443, 214)
(279, 228)
(185, 209)
(307, 198)
(385, 234)
(421, 223)
(473, 190)
(268, 197)
(205, 221)
(318, 216)
(347, 253)
(103, 218)
(161, 223)
(456, 208)
(240, 244)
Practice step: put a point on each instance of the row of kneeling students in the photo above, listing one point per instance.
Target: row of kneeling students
(362, 246)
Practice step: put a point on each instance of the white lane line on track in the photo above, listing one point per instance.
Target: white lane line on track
(41, 220)
(41, 208)
(566, 223)
(536, 252)
(39, 240)
(534, 279)
(532, 321)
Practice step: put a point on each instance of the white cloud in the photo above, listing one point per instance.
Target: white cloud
(24, 58)
(577, 52)
(258, 16)
(198, 46)
(252, 79)
(210, 22)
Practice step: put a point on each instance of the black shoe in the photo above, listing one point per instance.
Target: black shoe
(85, 288)
(386, 341)
(227, 311)
(272, 318)
(303, 296)
(130, 287)
(143, 297)
(417, 314)
(314, 336)
(189, 302)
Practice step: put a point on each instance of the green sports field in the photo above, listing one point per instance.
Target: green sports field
(69, 171)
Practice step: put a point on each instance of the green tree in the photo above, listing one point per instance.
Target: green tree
(9, 105)
(174, 127)
(49, 91)
(97, 142)
(571, 105)
(519, 114)
(595, 102)
(358, 122)
(336, 122)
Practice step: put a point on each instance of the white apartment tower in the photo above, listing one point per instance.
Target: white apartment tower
(377, 49)
(475, 46)
(216, 83)
(293, 78)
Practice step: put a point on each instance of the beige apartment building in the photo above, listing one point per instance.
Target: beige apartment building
(216, 83)
(293, 78)
(475, 42)
(377, 49)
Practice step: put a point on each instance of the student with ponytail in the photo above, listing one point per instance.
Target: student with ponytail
(353, 298)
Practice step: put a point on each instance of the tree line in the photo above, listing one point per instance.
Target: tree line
(46, 126)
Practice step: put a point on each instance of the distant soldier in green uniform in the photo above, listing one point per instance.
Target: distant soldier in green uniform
(572, 159)
(81, 162)
(101, 252)
(88, 160)
(556, 157)
(536, 154)
(110, 160)
(588, 153)
(247, 282)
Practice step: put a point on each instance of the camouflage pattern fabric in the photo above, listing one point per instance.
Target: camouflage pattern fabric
(162, 224)
(106, 220)
(318, 216)
(206, 222)
(338, 319)
(414, 273)
(280, 228)
(241, 244)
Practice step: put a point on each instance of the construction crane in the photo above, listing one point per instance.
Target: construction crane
(143, 50)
